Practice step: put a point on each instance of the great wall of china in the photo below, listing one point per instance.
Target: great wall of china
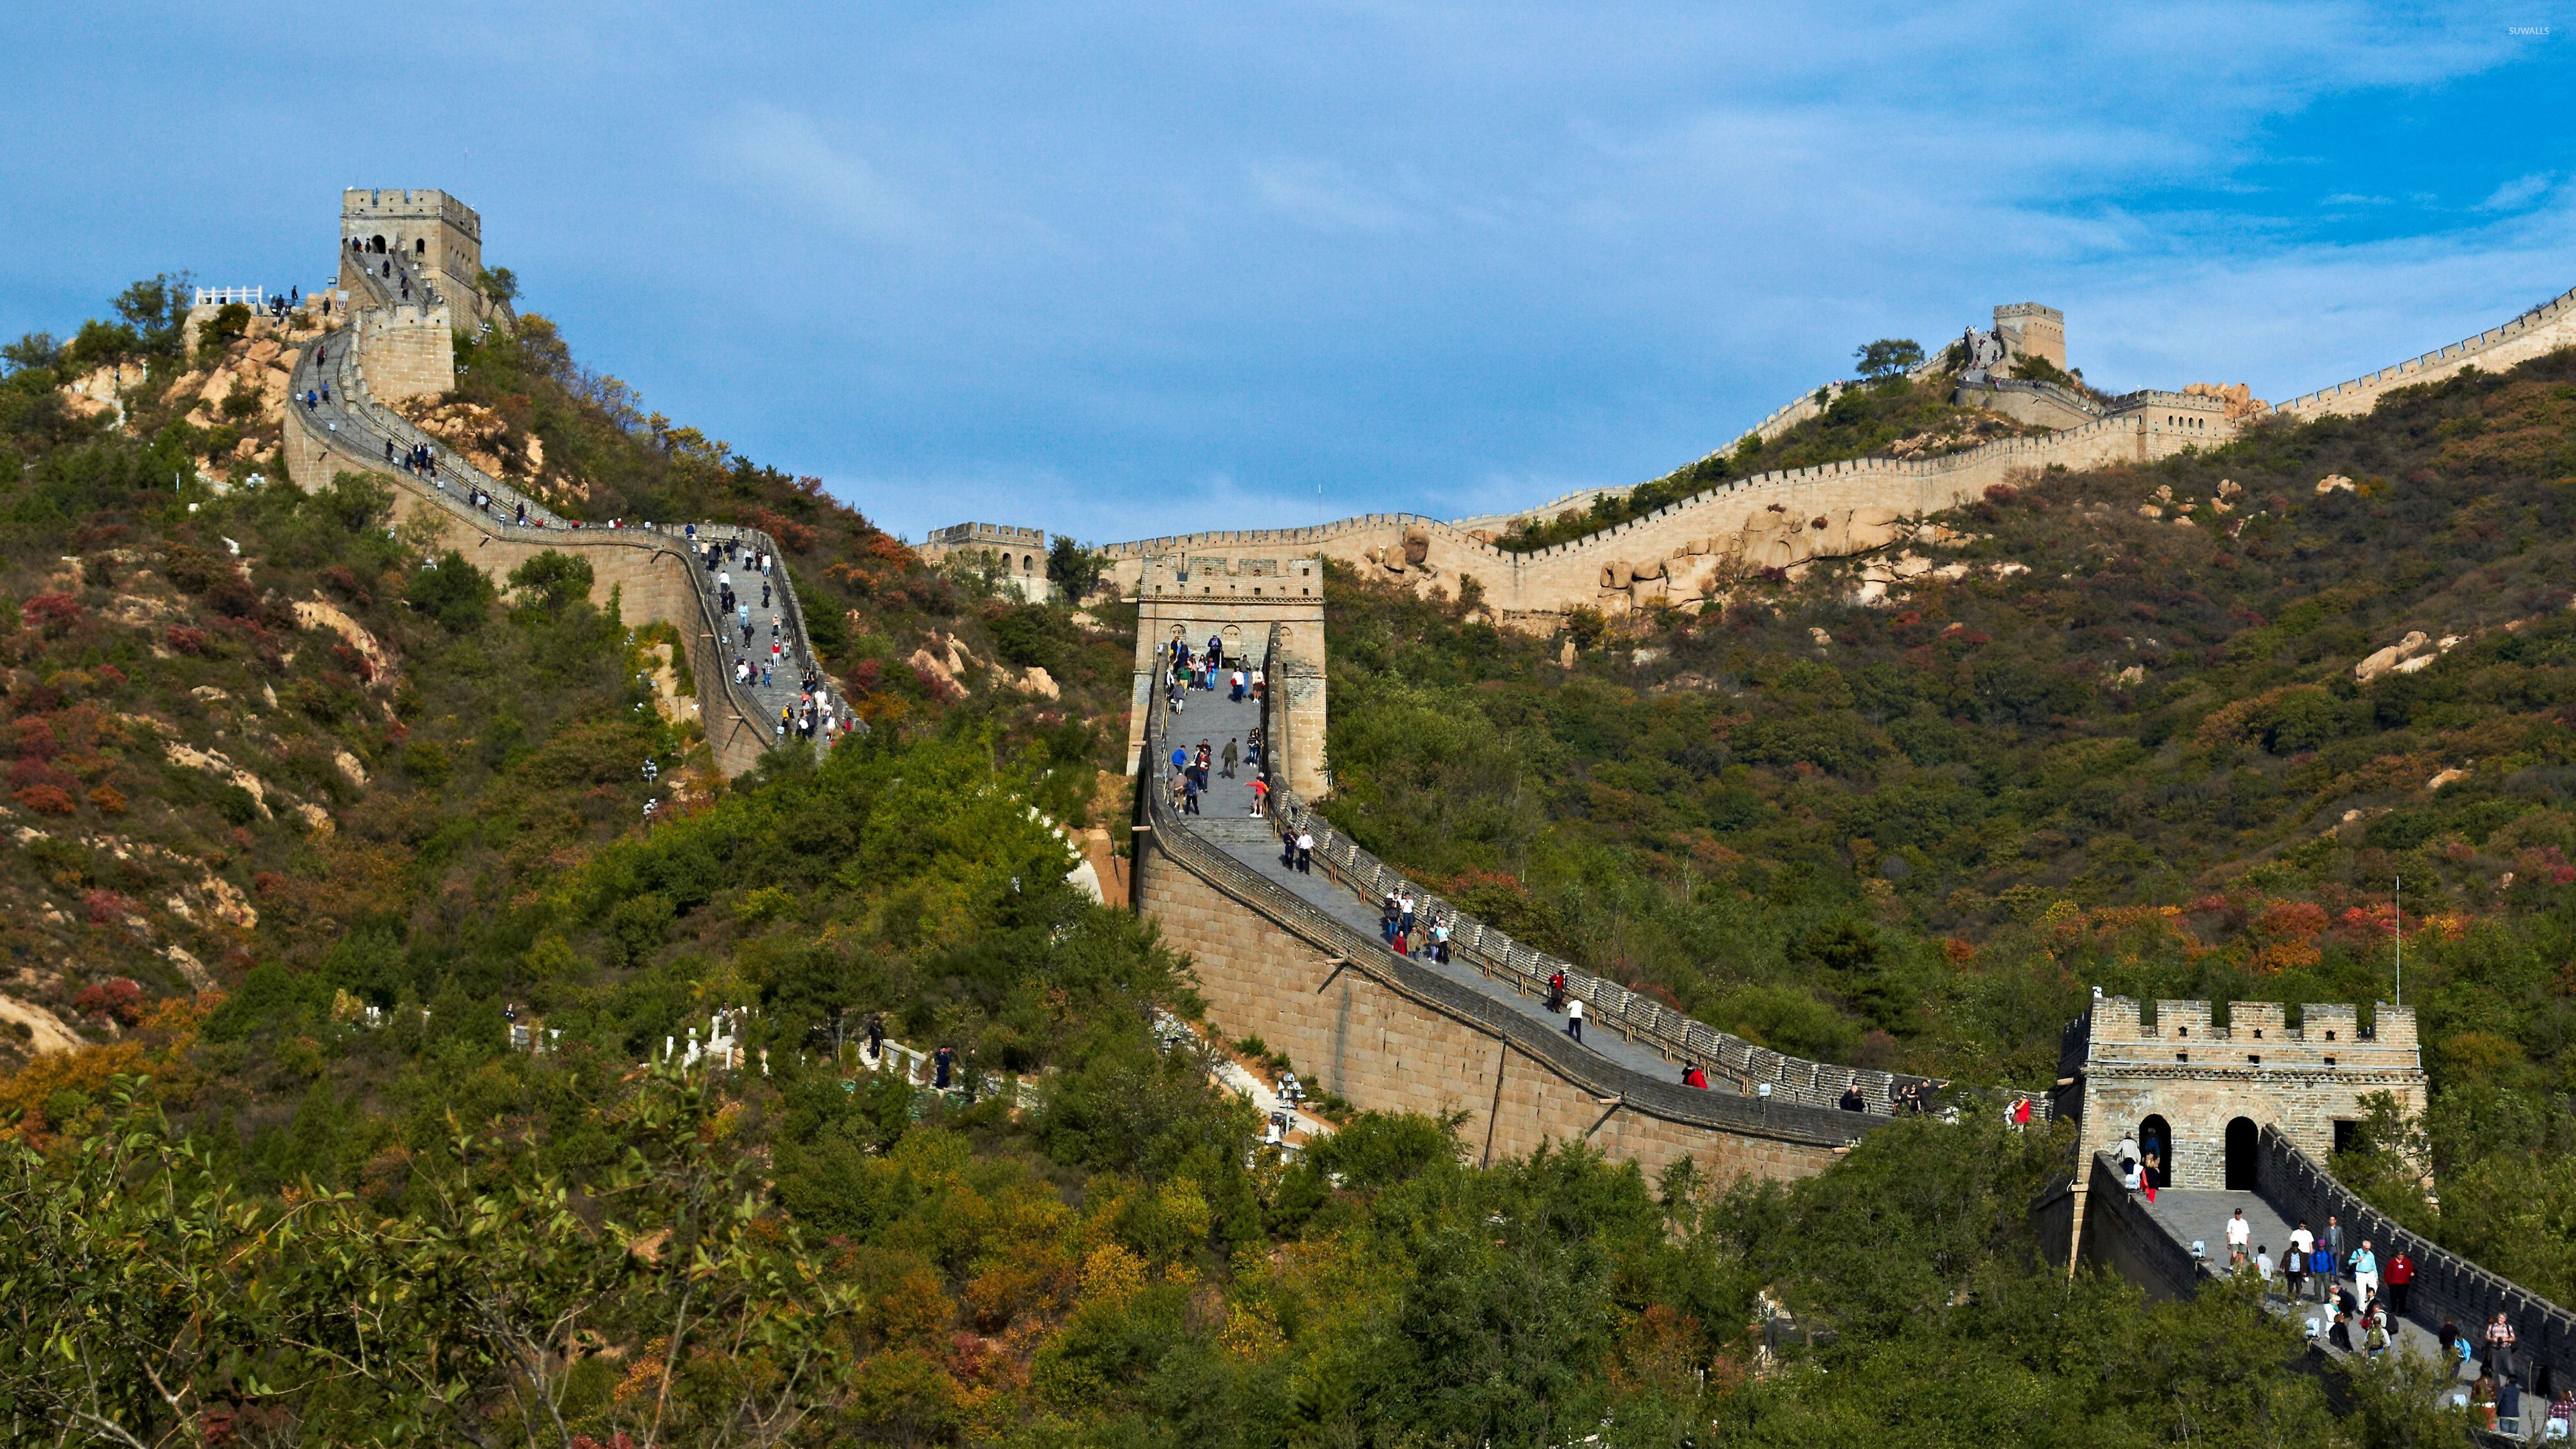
(407, 260)
(1686, 550)
(1284, 954)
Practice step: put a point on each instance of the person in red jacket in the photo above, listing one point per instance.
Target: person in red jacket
(2401, 1281)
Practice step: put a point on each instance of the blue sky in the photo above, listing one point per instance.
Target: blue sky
(1134, 270)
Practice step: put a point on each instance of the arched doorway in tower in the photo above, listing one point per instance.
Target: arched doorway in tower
(2240, 1155)
(2155, 1151)
(1233, 642)
(379, 242)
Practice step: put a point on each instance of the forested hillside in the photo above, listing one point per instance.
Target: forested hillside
(2116, 738)
(302, 822)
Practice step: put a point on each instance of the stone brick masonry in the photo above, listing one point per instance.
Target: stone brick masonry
(1357, 1035)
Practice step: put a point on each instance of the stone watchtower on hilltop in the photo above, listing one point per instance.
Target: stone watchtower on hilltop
(2197, 1095)
(2031, 330)
(437, 237)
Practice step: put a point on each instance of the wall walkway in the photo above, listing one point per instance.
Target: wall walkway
(658, 572)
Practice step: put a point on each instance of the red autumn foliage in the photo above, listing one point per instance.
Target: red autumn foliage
(185, 639)
(116, 998)
(47, 800)
(53, 613)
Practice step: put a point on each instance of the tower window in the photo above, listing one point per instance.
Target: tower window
(2182, 1056)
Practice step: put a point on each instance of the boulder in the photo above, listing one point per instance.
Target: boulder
(1417, 546)
(2333, 483)
(1872, 527)
(2387, 660)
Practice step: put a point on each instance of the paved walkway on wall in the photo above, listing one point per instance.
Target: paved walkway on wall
(1225, 823)
(367, 426)
(2200, 1215)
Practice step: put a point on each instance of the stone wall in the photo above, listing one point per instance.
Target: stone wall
(649, 579)
(439, 236)
(2536, 333)
(1682, 550)
(410, 350)
(2120, 1235)
(1240, 602)
(1358, 1033)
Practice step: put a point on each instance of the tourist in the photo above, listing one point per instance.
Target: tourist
(2341, 1334)
(2332, 1241)
(2500, 1342)
(1260, 797)
(1232, 755)
(1305, 852)
(2482, 1395)
(2294, 1265)
(1387, 916)
(2374, 1338)
(1556, 991)
(1692, 1076)
(2263, 1264)
(1852, 1101)
(1574, 1018)
(2365, 1271)
(2240, 1236)
(2509, 1404)
(2401, 1279)
(1440, 941)
(2562, 1415)
(1190, 794)
(940, 1065)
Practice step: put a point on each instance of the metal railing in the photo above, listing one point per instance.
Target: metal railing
(1782, 1115)
(372, 422)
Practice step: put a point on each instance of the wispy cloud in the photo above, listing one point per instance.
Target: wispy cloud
(2517, 193)
(1322, 196)
(839, 188)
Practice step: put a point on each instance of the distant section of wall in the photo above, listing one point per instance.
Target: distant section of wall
(1706, 533)
(2536, 333)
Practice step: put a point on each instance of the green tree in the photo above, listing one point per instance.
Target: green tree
(452, 591)
(1888, 357)
(1073, 569)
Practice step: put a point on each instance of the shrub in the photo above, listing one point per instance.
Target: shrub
(54, 614)
(185, 640)
(47, 799)
(108, 800)
(116, 998)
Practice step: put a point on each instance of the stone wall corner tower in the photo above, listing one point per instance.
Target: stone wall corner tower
(2031, 330)
(438, 236)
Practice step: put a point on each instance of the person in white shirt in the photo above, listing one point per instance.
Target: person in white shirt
(2240, 1236)
(1574, 1018)
(2263, 1263)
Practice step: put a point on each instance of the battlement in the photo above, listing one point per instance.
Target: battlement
(378, 204)
(1232, 576)
(2119, 1032)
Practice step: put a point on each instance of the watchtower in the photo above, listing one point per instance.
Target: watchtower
(1235, 600)
(1021, 554)
(439, 236)
(2031, 330)
(2196, 1095)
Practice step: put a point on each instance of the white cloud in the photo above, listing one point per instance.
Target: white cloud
(842, 190)
(1322, 196)
(2517, 193)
